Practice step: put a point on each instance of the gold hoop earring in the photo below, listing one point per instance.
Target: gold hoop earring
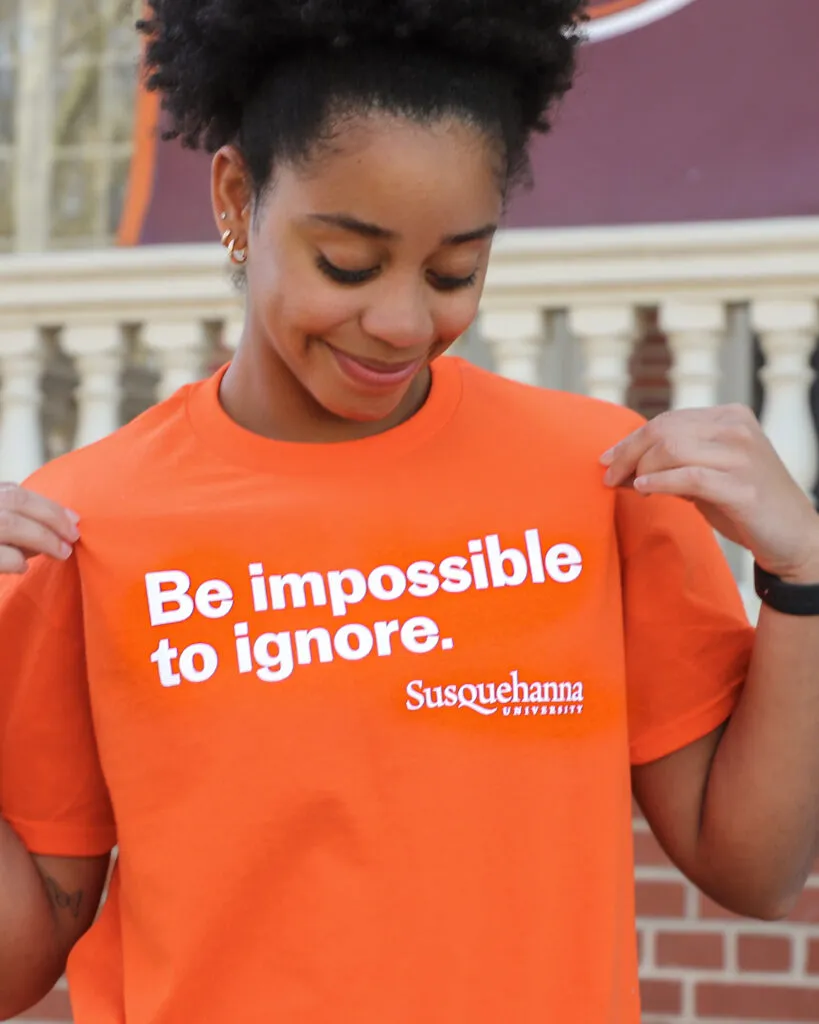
(237, 256)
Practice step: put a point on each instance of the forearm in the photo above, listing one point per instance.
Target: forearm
(760, 821)
(31, 960)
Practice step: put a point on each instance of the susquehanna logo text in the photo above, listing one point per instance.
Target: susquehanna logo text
(512, 697)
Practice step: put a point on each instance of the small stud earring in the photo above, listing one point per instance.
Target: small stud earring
(223, 215)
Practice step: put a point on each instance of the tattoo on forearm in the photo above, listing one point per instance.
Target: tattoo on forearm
(61, 900)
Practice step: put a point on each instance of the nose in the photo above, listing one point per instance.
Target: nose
(401, 317)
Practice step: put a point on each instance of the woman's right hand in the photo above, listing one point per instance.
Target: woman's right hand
(33, 525)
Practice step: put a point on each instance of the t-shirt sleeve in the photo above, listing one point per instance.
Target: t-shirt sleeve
(687, 637)
(52, 790)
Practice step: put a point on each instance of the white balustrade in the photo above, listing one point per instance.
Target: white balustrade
(21, 365)
(515, 337)
(606, 335)
(178, 346)
(553, 300)
(97, 351)
(695, 332)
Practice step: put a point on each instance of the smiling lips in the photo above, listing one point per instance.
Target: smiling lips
(372, 373)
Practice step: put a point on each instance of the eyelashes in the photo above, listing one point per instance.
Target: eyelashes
(453, 284)
(344, 276)
(356, 277)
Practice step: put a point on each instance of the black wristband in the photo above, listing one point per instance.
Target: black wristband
(788, 598)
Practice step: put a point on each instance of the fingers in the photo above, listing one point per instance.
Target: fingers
(62, 521)
(12, 561)
(623, 459)
(698, 483)
(18, 531)
(680, 452)
(31, 525)
(720, 460)
(711, 438)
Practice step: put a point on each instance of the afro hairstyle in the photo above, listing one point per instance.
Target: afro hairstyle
(277, 77)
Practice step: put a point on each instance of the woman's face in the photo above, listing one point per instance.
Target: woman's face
(369, 262)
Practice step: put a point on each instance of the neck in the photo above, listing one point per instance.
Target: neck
(261, 394)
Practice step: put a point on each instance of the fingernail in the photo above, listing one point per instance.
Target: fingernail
(74, 533)
(607, 457)
(66, 551)
(608, 478)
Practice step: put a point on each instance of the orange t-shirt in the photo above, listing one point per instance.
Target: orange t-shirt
(360, 717)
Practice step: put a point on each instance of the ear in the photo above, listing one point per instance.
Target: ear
(231, 193)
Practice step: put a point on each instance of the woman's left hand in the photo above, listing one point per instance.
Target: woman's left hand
(720, 459)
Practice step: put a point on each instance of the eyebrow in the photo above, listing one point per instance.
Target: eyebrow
(360, 227)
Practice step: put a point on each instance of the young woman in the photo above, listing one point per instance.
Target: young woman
(356, 653)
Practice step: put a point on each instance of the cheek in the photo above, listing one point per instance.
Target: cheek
(456, 314)
(299, 308)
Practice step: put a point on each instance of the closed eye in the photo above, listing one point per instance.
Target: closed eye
(341, 276)
(452, 284)
(441, 282)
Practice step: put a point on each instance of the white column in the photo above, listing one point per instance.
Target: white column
(787, 333)
(515, 337)
(179, 347)
(695, 332)
(21, 438)
(606, 335)
(97, 352)
(34, 117)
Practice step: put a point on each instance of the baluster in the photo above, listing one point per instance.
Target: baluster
(97, 351)
(606, 335)
(516, 338)
(21, 366)
(787, 333)
(179, 347)
(695, 332)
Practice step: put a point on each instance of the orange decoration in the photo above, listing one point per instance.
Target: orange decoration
(604, 8)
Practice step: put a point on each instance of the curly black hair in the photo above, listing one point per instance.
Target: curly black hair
(276, 77)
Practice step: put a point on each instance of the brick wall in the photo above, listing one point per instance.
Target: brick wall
(650, 390)
(699, 963)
